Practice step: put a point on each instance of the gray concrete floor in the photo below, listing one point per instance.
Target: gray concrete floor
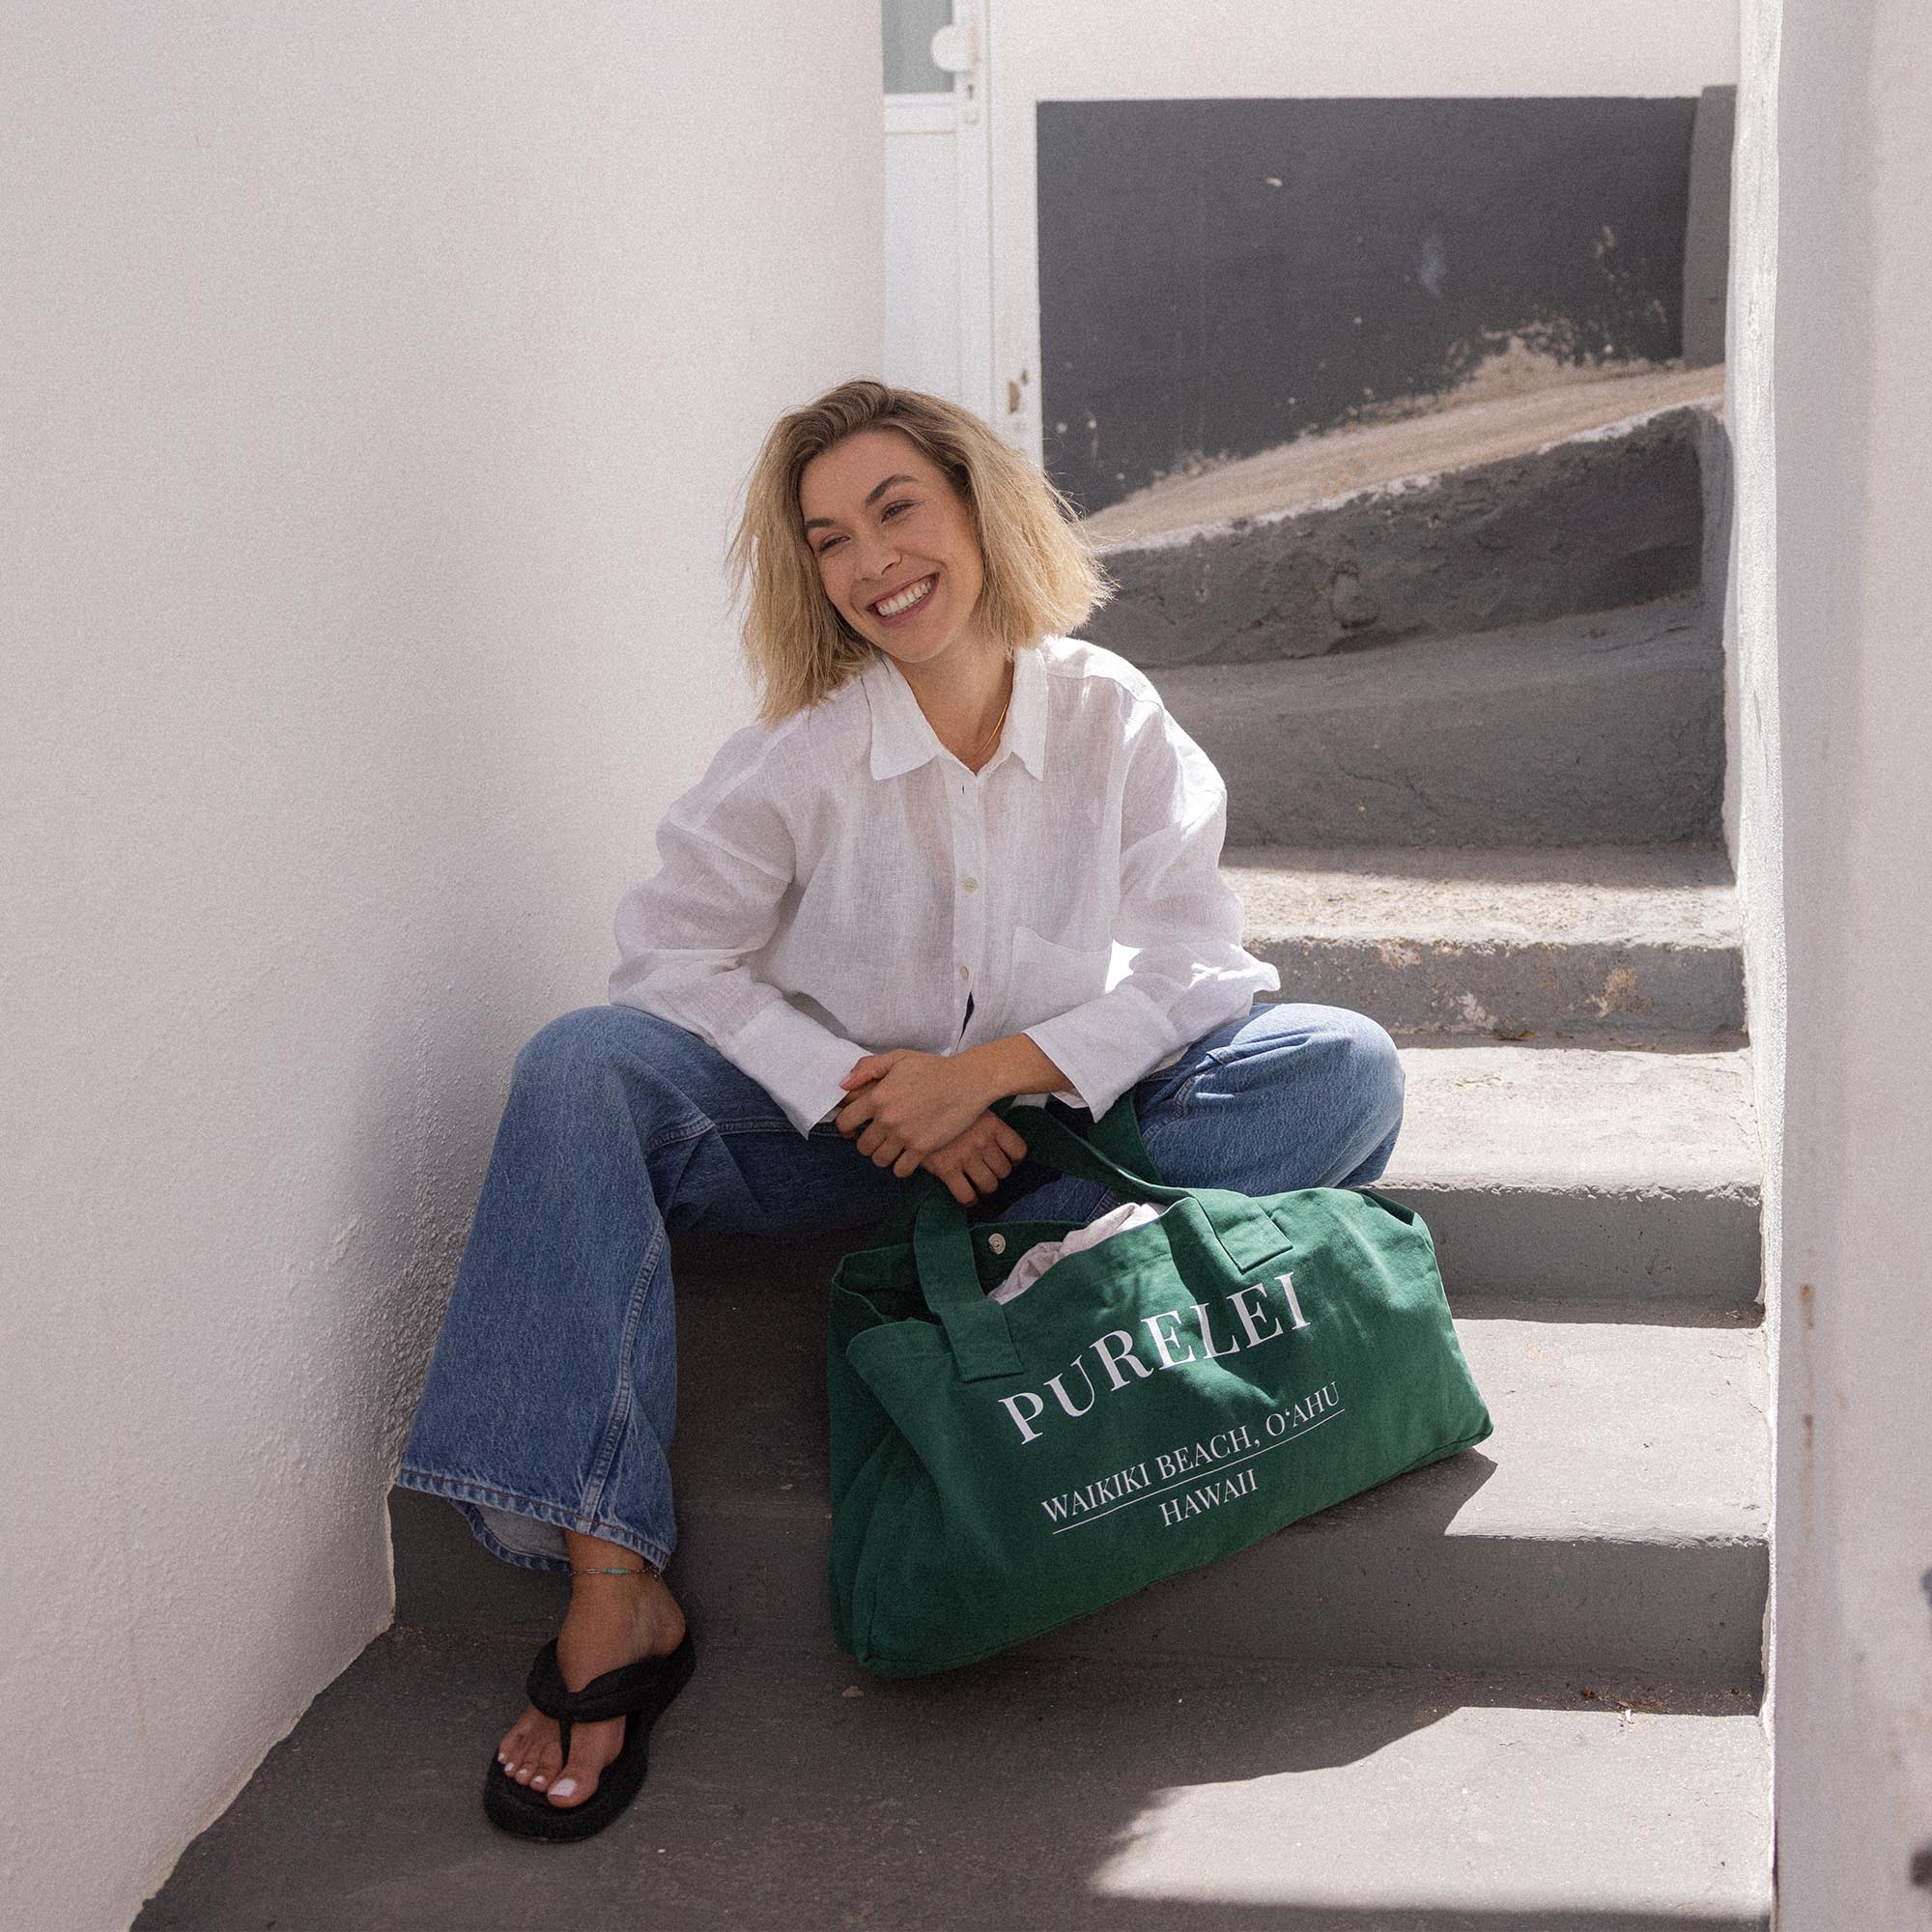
(790, 1791)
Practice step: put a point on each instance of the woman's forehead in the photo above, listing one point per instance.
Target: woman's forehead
(859, 465)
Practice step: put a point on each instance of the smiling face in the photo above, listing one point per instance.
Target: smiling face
(896, 546)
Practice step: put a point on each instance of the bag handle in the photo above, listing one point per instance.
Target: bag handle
(948, 1276)
(941, 1240)
(1098, 1156)
(1115, 1133)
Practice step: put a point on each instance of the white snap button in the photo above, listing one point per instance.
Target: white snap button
(997, 1243)
(965, 971)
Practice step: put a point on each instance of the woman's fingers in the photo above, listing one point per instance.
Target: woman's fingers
(980, 1174)
(879, 1145)
(1012, 1141)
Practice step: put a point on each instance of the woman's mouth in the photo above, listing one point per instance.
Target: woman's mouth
(903, 603)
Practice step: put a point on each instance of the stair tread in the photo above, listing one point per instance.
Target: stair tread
(1575, 1118)
(1596, 647)
(1021, 1791)
(1431, 896)
(1602, 729)
(1638, 1432)
(1328, 469)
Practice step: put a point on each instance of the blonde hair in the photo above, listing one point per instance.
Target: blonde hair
(1042, 576)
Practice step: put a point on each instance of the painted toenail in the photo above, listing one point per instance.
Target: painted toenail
(564, 1787)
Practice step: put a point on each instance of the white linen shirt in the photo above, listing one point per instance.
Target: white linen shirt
(836, 885)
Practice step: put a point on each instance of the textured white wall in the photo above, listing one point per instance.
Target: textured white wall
(1151, 49)
(377, 382)
(1852, 425)
(1754, 782)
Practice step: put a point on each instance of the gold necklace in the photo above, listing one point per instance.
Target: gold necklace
(992, 737)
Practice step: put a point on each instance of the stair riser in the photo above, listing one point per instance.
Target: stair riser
(1591, 525)
(1689, 1248)
(1612, 991)
(1348, 1588)
(1409, 748)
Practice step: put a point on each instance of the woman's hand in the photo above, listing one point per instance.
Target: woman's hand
(907, 1105)
(979, 1159)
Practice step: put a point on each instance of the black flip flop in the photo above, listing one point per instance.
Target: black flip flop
(639, 1693)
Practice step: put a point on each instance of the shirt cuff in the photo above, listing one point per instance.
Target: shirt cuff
(796, 1061)
(1105, 1045)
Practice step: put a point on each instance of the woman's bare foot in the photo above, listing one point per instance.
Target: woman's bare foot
(611, 1621)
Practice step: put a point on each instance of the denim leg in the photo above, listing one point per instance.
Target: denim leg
(553, 1391)
(1291, 1096)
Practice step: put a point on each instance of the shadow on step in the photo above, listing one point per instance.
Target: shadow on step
(789, 1790)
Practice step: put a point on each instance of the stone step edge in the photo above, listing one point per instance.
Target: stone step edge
(1682, 896)
(1136, 520)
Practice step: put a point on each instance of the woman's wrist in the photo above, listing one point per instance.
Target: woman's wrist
(1015, 1064)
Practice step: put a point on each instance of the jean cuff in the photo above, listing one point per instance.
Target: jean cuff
(513, 1528)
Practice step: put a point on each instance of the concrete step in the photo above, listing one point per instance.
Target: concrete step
(1595, 943)
(1517, 517)
(786, 1792)
(1604, 730)
(1564, 1174)
(1615, 1520)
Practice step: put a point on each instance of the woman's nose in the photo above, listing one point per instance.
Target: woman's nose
(877, 555)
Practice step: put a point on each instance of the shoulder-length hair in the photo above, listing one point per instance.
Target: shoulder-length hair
(1042, 576)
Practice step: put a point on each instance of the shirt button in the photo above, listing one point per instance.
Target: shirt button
(971, 885)
(965, 971)
(997, 1243)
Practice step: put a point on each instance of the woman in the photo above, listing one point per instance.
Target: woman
(961, 856)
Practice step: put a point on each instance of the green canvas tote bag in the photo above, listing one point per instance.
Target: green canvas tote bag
(1176, 1392)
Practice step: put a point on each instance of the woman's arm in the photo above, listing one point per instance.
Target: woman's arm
(684, 935)
(1190, 971)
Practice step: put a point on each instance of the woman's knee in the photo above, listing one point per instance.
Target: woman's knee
(577, 1050)
(1359, 1063)
(1372, 1067)
(1369, 1068)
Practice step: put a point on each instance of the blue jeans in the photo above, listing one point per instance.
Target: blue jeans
(553, 1386)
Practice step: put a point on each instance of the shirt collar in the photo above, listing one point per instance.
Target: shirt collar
(903, 740)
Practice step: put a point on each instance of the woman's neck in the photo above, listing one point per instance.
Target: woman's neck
(964, 700)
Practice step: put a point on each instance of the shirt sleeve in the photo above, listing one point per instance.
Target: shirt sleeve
(683, 936)
(1190, 972)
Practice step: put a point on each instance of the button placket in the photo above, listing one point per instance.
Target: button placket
(969, 923)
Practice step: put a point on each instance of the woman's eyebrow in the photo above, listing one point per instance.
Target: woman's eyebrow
(878, 490)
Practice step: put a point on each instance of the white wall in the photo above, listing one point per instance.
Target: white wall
(1853, 424)
(1152, 50)
(377, 380)
(1754, 795)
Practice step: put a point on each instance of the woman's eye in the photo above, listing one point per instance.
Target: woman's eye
(891, 507)
(828, 542)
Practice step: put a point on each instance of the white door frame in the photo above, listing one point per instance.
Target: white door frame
(962, 113)
(1012, 270)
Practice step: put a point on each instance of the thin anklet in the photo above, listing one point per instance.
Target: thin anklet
(611, 1573)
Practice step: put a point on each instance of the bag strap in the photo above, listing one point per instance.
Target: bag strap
(949, 1277)
(976, 1326)
(1097, 1156)
(1117, 1134)
(941, 1240)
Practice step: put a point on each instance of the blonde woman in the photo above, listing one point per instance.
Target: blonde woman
(960, 856)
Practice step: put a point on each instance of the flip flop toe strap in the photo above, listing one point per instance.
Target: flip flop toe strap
(617, 1694)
